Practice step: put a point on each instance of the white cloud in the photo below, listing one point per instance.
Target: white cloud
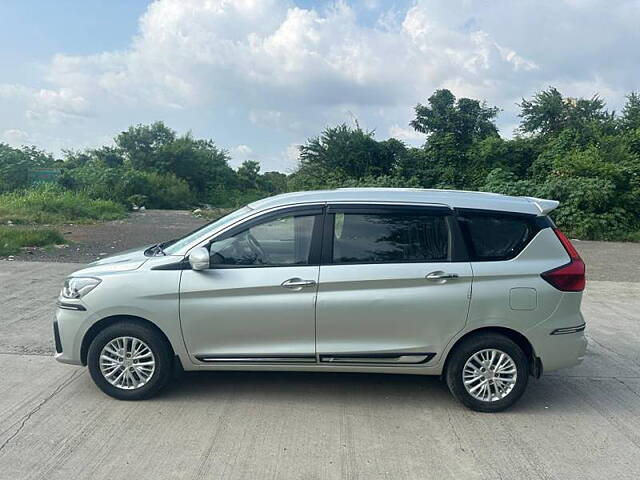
(15, 137)
(290, 71)
(239, 154)
(407, 134)
(51, 106)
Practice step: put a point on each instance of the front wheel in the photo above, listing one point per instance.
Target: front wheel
(487, 372)
(129, 361)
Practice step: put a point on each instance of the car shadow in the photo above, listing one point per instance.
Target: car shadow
(547, 395)
(300, 386)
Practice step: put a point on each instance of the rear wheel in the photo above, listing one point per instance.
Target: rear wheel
(129, 361)
(487, 372)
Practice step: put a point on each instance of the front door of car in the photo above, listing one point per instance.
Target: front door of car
(394, 284)
(256, 301)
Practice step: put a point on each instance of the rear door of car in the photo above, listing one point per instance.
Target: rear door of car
(394, 284)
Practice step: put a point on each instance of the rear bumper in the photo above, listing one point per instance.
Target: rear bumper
(562, 350)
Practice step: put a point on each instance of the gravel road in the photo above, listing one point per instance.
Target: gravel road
(87, 243)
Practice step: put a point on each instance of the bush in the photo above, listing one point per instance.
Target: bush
(47, 204)
(12, 239)
(590, 208)
(161, 190)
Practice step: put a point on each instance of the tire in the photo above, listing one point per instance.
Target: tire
(148, 372)
(501, 389)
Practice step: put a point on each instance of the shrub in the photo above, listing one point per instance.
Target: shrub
(12, 239)
(590, 208)
(162, 190)
(48, 204)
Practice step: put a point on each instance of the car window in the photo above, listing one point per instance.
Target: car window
(278, 242)
(174, 246)
(496, 236)
(390, 237)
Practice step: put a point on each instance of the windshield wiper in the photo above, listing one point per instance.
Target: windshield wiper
(154, 250)
(158, 248)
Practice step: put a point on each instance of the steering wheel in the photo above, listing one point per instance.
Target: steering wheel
(257, 249)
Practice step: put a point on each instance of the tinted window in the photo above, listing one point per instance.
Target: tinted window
(497, 236)
(389, 237)
(277, 242)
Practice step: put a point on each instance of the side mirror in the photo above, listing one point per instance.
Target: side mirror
(199, 259)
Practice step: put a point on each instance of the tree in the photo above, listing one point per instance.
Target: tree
(140, 143)
(17, 163)
(349, 152)
(548, 113)
(464, 120)
(157, 148)
(248, 174)
(630, 119)
(111, 157)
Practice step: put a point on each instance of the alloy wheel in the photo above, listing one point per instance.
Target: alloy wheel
(489, 375)
(127, 363)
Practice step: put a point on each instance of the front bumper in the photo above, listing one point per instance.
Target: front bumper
(67, 334)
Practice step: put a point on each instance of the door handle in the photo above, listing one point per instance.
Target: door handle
(440, 275)
(297, 283)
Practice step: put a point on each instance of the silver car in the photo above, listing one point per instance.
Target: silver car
(481, 289)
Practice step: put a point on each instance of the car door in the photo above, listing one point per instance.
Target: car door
(395, 284)
(256, 301)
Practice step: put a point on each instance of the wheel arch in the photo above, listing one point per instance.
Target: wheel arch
(105, 322)
(523, 342)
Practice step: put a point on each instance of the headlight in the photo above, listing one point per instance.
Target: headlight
(76, 287)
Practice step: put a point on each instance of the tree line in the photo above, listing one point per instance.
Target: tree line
(573, 150)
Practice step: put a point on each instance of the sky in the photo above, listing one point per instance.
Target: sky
(260, 77)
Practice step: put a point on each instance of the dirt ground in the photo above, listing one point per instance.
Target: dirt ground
(87, 243)
(614, 261)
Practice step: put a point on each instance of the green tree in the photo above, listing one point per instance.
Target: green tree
(347, 152)
(463, 120)
(548, 112)
(452, 126)
(630, 119)
(249, 174)
(16, 165)
(141, 144)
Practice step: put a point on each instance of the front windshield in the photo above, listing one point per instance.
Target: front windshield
(203, 231)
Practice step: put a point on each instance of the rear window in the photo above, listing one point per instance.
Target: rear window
(496, 236)
(389, 238)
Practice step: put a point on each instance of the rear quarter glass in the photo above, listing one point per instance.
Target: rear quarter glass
(498, 236)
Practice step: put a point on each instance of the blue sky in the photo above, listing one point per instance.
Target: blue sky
(259, 77)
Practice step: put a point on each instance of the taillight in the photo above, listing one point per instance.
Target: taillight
(569, 277)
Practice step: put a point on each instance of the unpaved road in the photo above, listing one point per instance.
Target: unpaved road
(87, 243)
(614, 261)
(580, 423)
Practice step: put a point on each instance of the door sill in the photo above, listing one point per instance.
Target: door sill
(231, 359)
(378, 359)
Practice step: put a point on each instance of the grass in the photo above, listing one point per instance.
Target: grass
(13, 239)
(631, 237)
(50, 205)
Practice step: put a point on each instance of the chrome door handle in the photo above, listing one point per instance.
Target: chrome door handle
(440, 275)
(297, 283)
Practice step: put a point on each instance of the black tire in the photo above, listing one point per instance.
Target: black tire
(469, 347)
(162, 354)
